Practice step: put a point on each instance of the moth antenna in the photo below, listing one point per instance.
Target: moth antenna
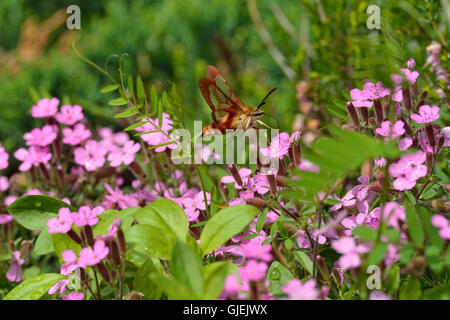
(263, 102)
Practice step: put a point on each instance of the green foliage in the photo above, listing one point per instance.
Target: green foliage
(34, 288)
(336, 156)
(225, 224)
(278, 276)
(33, 211)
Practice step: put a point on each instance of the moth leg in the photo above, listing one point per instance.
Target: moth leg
(262, 123)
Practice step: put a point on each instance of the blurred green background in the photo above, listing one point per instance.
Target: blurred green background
(321, 46)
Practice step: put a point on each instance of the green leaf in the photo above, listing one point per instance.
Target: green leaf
(278, 276)
(108, 216)
(63, 242)
(304, 260)
(261, 220)
(173, 289)
(127, 113)
(34, 288)
(431, 231)
(143, 282)
(118, 102)
(166, 215)
(109, 88)
(225, 224)
(414, 228)
(43, 244)
(130, 85)
(365, 233)
(411, 289)
(215, 275)
(439, 293)
(151, 240)
(377, 253)
(410, 197)
(433, 255)
(392, 234)
(33, 211)
(187, 268)
(136, 125)
(140, 90)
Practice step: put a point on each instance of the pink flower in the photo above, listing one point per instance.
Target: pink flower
(362, 191)
(117, 196)
(4, 183)
(405, 143)
(124, 155)
(411, 63)
(446, 135)
(41, 137)
(112, 230)
(253, 249)
(74, 296)
(303, 240)
(261, 185)
(385, 130)
(411, 76)
(347, 246)
(440, 222)
(253, 271)
(279, 146)
(32, 157)
(370, 92)
(86, 216)
(5, 218)
(45, 108)
(3, 158)
(69, 114)
(407, 170)
(426, 114)
(307, 165)
(90, 257)
(14, 273)
(394, 214)
(380, 162)
(60, 285)
(378, 295)
(192, 205)
(157, 137)
(347, 201)
(91, 157)
(76, 135)
(71, 262)
(62, 224)
(296, 290)
(244, 173)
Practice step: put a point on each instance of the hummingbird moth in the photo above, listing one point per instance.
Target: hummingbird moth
(228, 111)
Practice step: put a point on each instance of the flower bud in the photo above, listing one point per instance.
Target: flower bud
(323, 268)
(224, 189)
(378, 110)
(406, 98)
(352, 113)
(415, 90)
(441, 205)
(411, 64)
(430, 135)
(235, 174)
(74, 236)
(387, 110)
(272, 183)
(121, 239)
(133, 295)
(258, 202)
(281, 181)
(115, 254)
(89, 235)
(103, 271)
(364, 114)
(424, 95)
(337, 277)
